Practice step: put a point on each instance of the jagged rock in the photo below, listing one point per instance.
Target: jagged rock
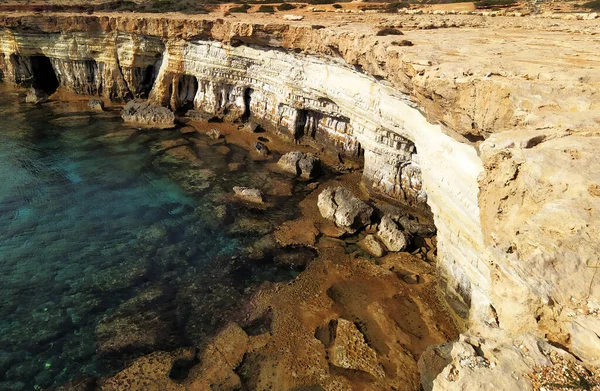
(391, 235)
(371, 245)
(141, 112)
(36, 96)
(248, 194)
(96, 105)
(302, 164)
(214, 133)
(350, 351)
(342, 207)
(261, 148)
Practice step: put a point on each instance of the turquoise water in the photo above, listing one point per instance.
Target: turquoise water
(112, 247)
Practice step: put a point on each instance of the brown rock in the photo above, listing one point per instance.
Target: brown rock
(371, 245)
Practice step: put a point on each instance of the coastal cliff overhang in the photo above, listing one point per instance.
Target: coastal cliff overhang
(504, 246)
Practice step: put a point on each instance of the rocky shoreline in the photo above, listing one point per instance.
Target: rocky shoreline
(500, 148)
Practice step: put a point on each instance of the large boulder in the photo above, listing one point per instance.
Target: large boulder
(143, 113)
(347, 211)
(391, 235)
(300, 164)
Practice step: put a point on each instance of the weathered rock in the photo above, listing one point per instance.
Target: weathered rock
(499, 363)
(350, 351)
(214, 133)
(96, 105)
(261, 148)
(371, 245)
(36, 96)
(143, 113)
(301, 164)
(390, 234)
(248, 194)
(347, 211)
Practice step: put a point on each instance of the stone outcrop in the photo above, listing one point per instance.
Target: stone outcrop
(501, 147)
(96, 105)
(143, 113)
(347, 211)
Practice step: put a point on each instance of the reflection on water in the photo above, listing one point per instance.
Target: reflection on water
(117, 242)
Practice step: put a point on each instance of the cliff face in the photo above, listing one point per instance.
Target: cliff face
(501, 152)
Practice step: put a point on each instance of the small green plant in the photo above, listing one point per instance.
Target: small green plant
(286, 7)
(266, 8)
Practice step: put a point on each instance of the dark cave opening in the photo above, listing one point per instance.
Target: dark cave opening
(44, 77)
(187, 87)
(247, 99)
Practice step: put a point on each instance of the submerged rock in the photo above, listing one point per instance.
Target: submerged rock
(301, 164)
(96, 105)
(36, 96)
(347, 211)
(248, 194)
(141, 112)
(391, 235)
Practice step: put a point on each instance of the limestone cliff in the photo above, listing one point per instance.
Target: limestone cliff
(500, 147)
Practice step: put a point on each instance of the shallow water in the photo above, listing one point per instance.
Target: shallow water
(112, 247)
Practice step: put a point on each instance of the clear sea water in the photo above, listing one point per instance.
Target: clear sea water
(111, 247)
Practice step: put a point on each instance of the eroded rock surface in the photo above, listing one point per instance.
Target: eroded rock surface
(144, 113)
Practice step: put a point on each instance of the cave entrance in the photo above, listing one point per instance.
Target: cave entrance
(187, 88)
(44, 77)
(247, 99)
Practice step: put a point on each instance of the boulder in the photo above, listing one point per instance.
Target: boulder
(371, 245)
(347, 211)
(96, 105)
(143, 113)
(300, 164)
(215, 134)
(248, 194)
(261, 148)
(390, 234)
(36, 96)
